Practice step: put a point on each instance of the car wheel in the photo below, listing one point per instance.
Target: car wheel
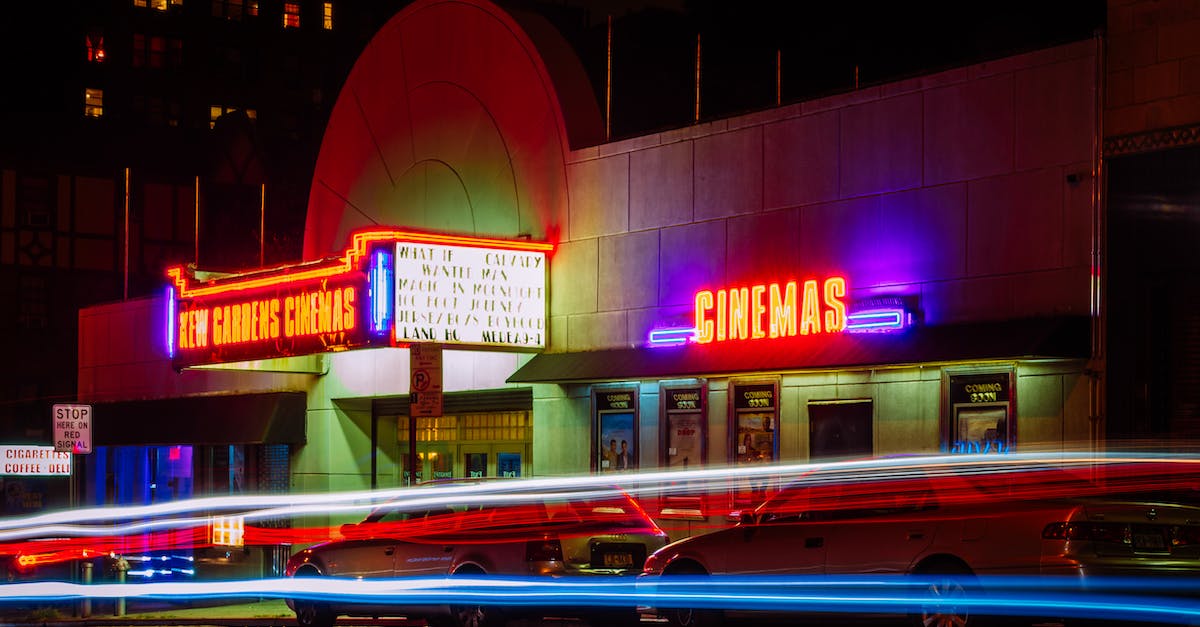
(474, 615)
(945, 595)
(310, 613)
(689, 616)
(615, 617)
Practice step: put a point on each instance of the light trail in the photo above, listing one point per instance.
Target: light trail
(80, 533)
(1115, 598)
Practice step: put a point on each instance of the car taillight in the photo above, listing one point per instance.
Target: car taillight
(543, 551)
(1098, 532)
(1185, 536)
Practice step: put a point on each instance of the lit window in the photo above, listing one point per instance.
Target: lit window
(95, 48)
(252, 8)
(217, 111)
(291, 15)
(93, 102)
(327, 12)
(158, 5)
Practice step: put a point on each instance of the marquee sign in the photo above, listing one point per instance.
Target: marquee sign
(389, 288)
(771, 310)
(470, 295)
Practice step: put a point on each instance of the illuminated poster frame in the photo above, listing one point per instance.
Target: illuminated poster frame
(683, 406)
(615, 420)
(339, 303)
(753, 433)
(979, 410)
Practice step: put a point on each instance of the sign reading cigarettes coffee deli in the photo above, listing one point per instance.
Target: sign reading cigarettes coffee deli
(34, 461)
(470, 295)
(771, 310)
(388, 288)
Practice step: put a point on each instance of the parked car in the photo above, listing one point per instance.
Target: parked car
(604, 532)
(951, 526)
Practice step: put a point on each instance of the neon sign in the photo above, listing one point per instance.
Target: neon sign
(385, 279)
(470, 295)
(771, 310)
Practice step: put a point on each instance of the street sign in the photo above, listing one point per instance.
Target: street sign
(72, 428)
(425, 385)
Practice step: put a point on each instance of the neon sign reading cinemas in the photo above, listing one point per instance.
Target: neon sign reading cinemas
(771, 310)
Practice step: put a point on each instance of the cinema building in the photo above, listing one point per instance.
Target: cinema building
(902, 268)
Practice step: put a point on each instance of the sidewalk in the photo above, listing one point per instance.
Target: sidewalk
(265, 613)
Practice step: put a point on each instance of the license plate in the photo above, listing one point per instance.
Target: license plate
(618, 560)
(1149, 541)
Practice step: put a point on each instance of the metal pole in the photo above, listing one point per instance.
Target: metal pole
(262, 226)
(697, 115)
(608, 87)
(196, 259)
(126, 270)
(120, 600)
(86, 604)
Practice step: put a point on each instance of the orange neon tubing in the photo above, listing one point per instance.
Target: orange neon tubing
(348, 262)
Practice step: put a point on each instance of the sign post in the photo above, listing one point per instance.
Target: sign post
(72, 428)
(425, 385)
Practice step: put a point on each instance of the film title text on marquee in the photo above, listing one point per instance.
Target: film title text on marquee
(463, 294)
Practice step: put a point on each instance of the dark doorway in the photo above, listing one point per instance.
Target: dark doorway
(840, 430)
(1153, 326)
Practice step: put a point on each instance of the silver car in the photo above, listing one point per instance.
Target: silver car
(603, 532)
(952, 528)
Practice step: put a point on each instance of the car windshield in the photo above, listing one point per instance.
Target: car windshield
(605, 508)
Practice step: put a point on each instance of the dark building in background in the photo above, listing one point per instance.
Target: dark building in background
(142, 133)
(1152, 155)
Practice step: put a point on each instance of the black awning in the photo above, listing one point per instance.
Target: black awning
(266, 418)
(1011, 339)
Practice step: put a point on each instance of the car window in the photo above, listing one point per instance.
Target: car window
(822, 498)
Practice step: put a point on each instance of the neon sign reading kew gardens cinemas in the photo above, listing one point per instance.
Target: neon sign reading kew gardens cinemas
(771, 310)
(389, 287)
(470, 295)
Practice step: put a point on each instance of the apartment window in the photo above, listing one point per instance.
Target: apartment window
(35, 303)
(252, 8)
(228, 9)
(291, 15)
(174, 52)
(93, 102)
(95, 48)
(158, 5)
(217, 111)
(327, 15)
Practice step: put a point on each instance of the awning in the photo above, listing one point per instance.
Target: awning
(1068, 337)
(265, 418)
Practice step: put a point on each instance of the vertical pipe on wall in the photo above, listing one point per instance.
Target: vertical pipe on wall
(696, 117)
(374, 449)
(1097, 368)
(608, 85)
(196, 259)
(778, 77)
(125, 270)
(262, 225)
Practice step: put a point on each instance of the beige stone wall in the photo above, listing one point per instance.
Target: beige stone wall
(1153, 66)
(969, 191)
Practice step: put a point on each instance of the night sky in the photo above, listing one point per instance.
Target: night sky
(821, 44)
